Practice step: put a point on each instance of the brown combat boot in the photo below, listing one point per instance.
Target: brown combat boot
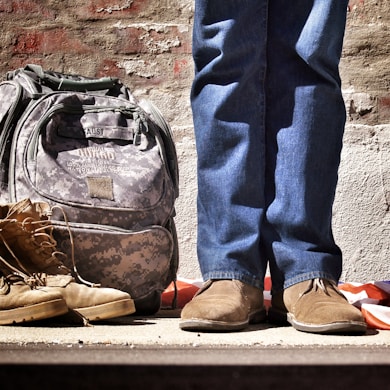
(28, 243)
(223, 305)
(316, 306)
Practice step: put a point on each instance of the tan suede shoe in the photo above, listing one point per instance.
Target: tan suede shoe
(316, 306)
(223, 305)
(21, 302)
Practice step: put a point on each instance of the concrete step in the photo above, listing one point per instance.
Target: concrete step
(153, 353)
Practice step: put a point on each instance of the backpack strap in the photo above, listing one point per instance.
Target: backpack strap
(62, 82)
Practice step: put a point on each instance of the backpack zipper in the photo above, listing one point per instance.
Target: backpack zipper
(130, 112)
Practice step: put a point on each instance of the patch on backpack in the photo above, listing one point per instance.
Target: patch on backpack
(100, 187)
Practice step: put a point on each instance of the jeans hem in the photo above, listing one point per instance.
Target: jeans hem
(245, 278)
(307, 276)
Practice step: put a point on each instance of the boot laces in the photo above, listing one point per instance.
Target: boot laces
(19, 275)
(82, 280)
(40, 234)
(44, 242)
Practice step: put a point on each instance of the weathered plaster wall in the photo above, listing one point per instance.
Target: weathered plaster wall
(362, 207)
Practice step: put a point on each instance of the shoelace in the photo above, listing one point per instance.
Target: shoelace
(82, 280)
(323, 285)
(46, 245)
(17, 275)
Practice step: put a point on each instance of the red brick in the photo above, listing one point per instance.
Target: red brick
(384, 101)
(21, 61)
(48, 41)
(384, 108)
(25, 7)
(132, 40)
(144, 83)
(5, 6)
(181, 67)
(109, 68)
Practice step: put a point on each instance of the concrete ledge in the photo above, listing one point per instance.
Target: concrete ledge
(162, 330)
(118, 367)
(153, 353)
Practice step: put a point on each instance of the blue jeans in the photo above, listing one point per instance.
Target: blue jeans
(269, 120)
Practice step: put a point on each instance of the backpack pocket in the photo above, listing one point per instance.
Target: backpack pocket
(137, 262)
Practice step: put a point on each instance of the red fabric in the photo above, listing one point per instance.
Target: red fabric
(373, 299)
(185, 292)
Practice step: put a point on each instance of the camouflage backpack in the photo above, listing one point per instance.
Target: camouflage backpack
(107, 163)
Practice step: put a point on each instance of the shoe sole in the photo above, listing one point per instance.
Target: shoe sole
(198, 324)
(280, 318)
(334, 327)
(108, 310)
(39, 311)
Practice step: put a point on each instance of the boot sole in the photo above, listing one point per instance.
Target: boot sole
(331, 328)
(198, 324)
(39, 311)
(108, 310)
(280, 318)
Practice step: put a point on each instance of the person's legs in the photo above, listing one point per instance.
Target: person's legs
(229, 49)
(305, 124)
(283, 161)
(228, 103)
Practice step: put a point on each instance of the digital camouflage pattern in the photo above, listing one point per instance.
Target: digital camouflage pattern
(109, 165)
(136, 262)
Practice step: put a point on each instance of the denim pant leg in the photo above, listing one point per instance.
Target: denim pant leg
(305, 124)
(228, 103)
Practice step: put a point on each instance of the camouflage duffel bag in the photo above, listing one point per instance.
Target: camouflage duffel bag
(107, 163)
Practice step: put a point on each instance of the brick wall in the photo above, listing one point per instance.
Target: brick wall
(365, 66)
(145, 43)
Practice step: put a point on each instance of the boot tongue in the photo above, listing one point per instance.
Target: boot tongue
(56, 280)
(56, 269)
(26, 209)
(21, 210)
